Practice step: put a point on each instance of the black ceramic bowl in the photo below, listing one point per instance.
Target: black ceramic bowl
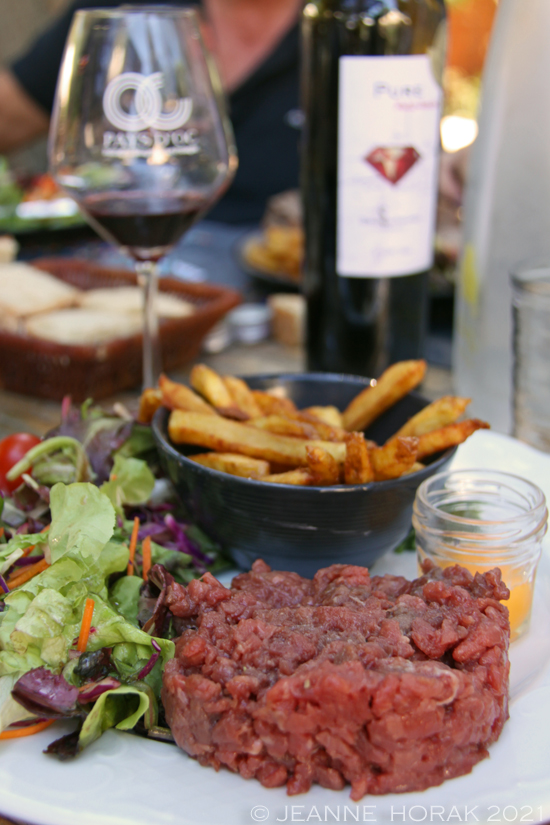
(301, 528)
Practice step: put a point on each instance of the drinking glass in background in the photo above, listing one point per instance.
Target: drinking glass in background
(531, 329)
(140, 137)
(482, 519)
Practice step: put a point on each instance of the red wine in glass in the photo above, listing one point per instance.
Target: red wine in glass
(144, 224)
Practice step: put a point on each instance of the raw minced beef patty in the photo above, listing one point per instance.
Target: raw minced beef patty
(384, 683)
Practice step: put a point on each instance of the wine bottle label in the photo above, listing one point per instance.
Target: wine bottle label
(388, 149)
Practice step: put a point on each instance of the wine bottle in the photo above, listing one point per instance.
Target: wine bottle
(371, 95)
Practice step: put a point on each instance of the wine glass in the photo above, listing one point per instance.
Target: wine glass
(139, 136)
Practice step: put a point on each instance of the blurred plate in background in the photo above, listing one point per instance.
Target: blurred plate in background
(34, 203)
(272, 255)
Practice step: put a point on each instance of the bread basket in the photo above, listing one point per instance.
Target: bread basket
(51, 370)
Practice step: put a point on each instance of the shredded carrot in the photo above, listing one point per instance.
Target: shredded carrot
(86, 625)
(1, 532)
(30, 572)
(146, 555)
(133, 545)
(27, 731)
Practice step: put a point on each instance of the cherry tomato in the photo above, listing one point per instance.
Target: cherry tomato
(12, 450)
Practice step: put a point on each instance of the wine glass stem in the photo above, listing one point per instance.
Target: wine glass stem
(147, 274)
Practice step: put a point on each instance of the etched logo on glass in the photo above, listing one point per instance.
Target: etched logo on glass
(143, 127)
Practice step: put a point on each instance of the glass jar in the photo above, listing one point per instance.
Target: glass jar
(480, 520)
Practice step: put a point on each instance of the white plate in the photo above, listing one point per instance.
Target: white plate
(124, 780)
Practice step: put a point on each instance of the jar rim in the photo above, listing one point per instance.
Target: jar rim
(531, 271)
(488, 476)
(497, 551)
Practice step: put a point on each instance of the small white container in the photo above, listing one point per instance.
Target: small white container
(250, 323)
(218, 339)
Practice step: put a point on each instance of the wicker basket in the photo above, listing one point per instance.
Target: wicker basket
(49, 370)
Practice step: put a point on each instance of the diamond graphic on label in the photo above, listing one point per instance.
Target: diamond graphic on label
(393, 162)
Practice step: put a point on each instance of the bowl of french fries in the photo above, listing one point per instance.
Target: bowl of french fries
(303, 470)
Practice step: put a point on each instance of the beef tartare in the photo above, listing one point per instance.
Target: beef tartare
(387, 684)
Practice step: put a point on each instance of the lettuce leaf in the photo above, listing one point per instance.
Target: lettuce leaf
(100, 433)
(10, 710)
(139, 443)
(120, 708)
(12, 550)
(124, 596)
(41, 629)
(131, 482)
(83, 521)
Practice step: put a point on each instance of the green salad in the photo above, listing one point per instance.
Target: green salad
(88, 538)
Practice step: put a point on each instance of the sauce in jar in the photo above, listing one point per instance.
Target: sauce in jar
(480, 520)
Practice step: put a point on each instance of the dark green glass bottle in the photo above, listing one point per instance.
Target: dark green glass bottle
(371, 96)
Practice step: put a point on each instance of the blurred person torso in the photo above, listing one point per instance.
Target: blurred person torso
(256, 46)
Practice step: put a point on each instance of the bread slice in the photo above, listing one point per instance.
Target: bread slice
(25, 291)
(10, 323)
(129, 299)
(83, 327)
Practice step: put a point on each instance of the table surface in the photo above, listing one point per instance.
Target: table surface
(22, 413)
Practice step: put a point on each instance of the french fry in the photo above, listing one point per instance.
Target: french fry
(445, 410)
(415, 468)
(329, 415)
(357, 466)
(241, 395)
(449, 436)
(299, 423)
(149, 403)
(234, 464)
(285, 426)
(298, 478)
(210, 385)
(393, 384)
(396, 457)
(271, 404)
(179, 397)
(312, 425)
(324, 470)
(233, 412)
(226, 436)
(324, 431)
(277, 468)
